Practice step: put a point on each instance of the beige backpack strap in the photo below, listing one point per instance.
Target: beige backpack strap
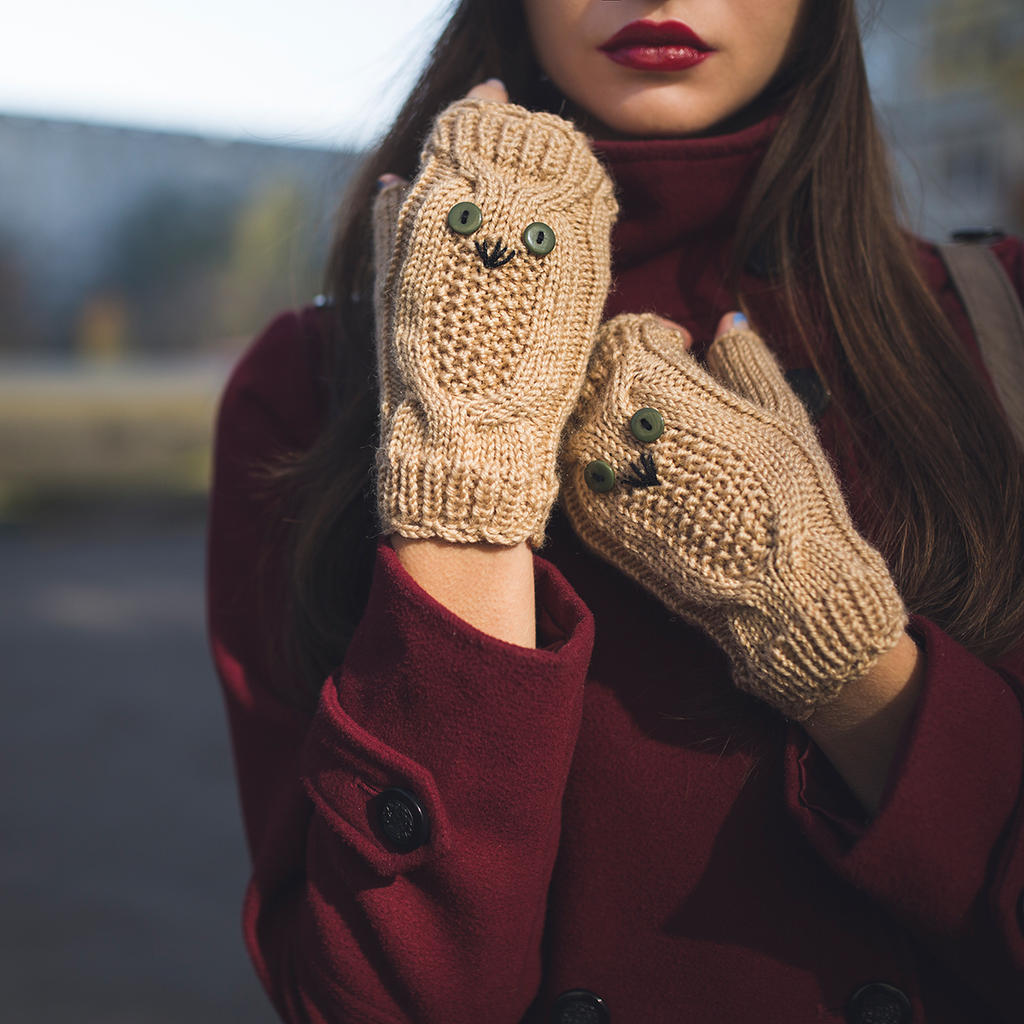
(997, 319)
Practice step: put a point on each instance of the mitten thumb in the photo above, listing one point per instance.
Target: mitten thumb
(745, 365)
(386, 206)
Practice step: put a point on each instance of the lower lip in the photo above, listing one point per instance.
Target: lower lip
(657, 58)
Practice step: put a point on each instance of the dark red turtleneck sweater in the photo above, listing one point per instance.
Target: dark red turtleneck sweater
(463, 831)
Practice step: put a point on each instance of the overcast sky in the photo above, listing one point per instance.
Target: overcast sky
(302, 71)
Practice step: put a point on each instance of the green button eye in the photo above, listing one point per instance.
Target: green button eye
(599, 476)
(647, 425)
(465, 218)
(539, 239)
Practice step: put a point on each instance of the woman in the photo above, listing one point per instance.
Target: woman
(745, 742)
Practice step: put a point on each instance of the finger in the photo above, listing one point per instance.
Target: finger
(742, 361)
(391, 191)
(493, 89)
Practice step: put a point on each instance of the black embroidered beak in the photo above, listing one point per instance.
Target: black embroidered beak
(497, 257)
(644, 474)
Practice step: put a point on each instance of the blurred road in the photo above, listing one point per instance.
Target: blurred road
(122, 860)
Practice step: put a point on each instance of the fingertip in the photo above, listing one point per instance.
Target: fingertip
(493, 89)
(731, 322)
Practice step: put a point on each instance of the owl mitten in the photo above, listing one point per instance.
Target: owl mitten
(492, 272)
(711, 490)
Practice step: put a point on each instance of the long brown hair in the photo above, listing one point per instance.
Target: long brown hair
(946, 468)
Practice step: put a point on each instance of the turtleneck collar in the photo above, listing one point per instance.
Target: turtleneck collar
(673, 191)
(679, 202)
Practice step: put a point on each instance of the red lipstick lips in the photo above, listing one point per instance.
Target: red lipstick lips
(656, 46)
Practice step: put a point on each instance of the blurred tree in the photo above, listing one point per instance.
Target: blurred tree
(102, 328)
(163, 257)
(169, 234)
(274, 261)
(192, 269)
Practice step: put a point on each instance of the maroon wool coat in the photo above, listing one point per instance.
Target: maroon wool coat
(463, 831)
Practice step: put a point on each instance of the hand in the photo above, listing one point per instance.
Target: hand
(719, 499)
(484, 328)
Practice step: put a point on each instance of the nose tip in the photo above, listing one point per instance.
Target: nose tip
(497, 256)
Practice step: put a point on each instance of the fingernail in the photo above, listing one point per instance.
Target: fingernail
(739, 320)
(381, 182)
(495, 81)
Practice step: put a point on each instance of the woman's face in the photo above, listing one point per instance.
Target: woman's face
(659, 79)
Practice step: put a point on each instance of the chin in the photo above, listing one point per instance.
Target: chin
(657, 123)
(645, 113)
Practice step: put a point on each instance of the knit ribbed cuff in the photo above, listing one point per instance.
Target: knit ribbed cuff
(477, 136)
(438, 494)
(821, 628)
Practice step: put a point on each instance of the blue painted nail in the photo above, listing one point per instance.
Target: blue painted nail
(739, 320)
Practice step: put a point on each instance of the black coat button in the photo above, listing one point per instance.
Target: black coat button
(808, 387)
(402, 819)
(578, 1006)
(878, 1003)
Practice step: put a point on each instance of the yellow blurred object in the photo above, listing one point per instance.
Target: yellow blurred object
(102, 329)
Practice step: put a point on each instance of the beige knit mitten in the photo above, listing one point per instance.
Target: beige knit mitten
(713, 492)
(484, 330)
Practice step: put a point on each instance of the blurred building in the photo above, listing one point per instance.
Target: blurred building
(114, 238)
(948, 80)
(119, 241)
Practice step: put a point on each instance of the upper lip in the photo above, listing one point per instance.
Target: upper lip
(655, 33)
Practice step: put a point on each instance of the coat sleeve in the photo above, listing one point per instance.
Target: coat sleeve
(404, 829)
(944, 855)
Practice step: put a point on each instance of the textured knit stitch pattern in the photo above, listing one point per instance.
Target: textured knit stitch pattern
(746, 534)
(480, 366)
